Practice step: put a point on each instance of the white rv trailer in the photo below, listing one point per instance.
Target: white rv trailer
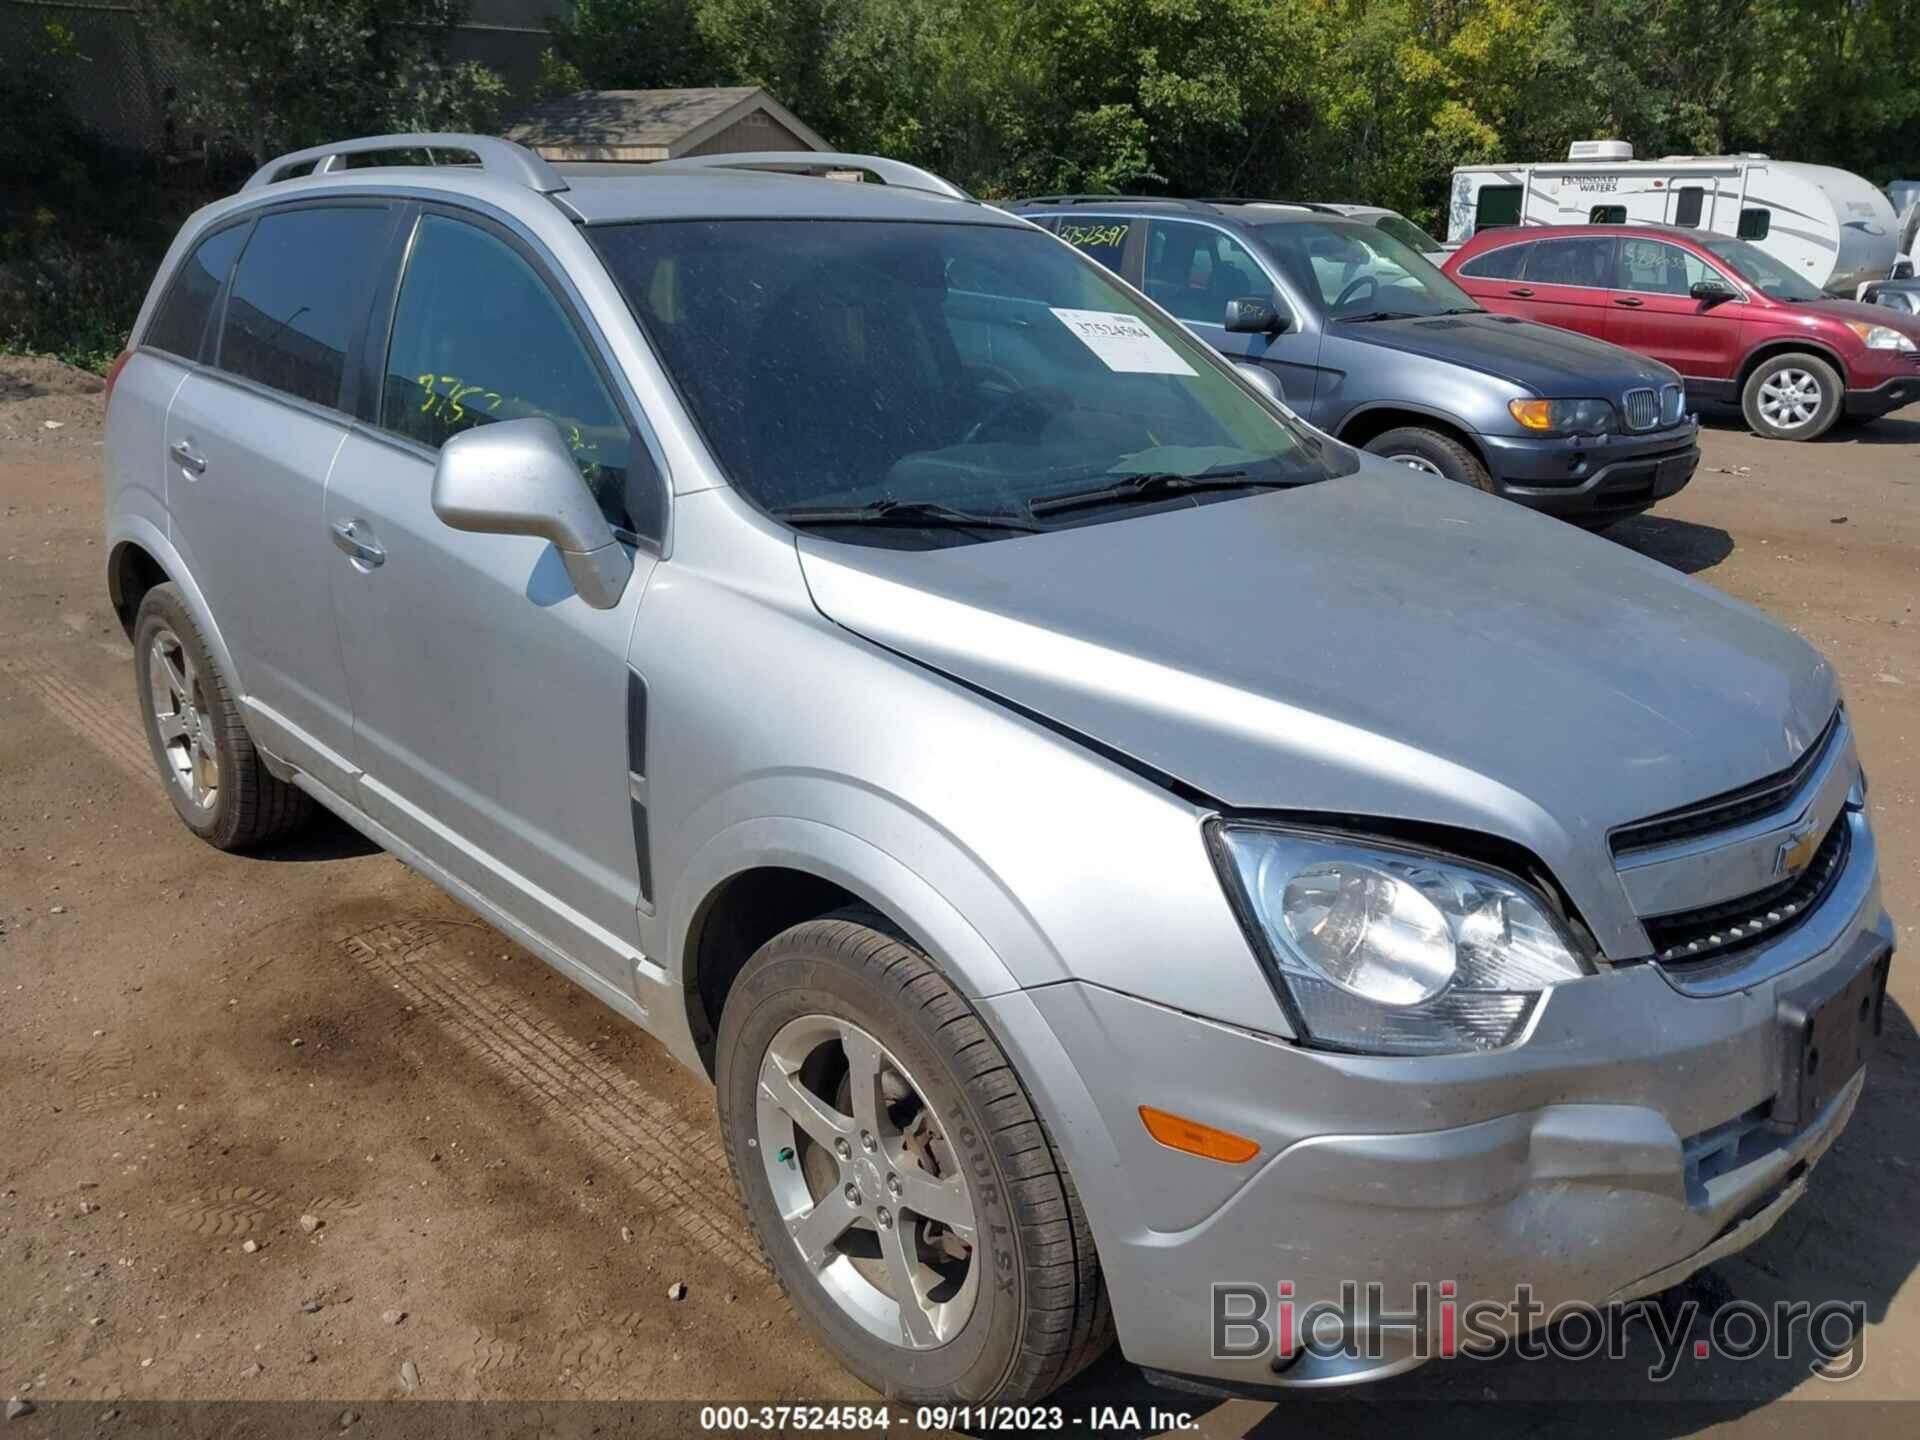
(1831, 226)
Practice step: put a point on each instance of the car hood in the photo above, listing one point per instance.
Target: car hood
(1540, 358)
(1386, 644)
(1844, 310)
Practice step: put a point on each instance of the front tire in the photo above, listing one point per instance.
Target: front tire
(1432, 452)
(1792, 397)
(906, 1196)
(219, 785)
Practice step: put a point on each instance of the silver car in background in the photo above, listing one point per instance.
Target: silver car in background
(1101, 837)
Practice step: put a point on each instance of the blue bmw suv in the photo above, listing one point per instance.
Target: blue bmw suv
(1367, 340)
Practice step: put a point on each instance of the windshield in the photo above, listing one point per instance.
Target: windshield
(1409, 234)
(932, 372)
(1361, 272)
(1762, 271)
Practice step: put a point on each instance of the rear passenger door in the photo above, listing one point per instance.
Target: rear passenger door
(1493, 277)
(250, 439)
(1566, 283)
(494, 719)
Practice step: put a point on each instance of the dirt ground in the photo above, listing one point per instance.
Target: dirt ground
(297, 1127)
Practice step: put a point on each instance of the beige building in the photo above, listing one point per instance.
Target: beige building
(661, 124)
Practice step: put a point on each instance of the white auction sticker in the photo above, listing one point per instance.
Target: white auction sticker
(1124, 343)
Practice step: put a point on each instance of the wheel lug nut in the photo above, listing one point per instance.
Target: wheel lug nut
(894, 1188)
(883, 1217)
(843, 1150)
(867, 1142)
(853, 1194)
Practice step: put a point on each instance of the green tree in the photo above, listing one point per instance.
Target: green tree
(280, 74)
(628, 45)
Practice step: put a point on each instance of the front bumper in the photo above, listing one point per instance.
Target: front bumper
(1888, 395)
(1617, 1149)
(1598, 478)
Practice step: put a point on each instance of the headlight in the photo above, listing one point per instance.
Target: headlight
(1880, 337)
(1564, 417)
(1392, 951)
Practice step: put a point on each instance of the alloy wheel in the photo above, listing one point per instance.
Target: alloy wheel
(1790, 398)
(183, 718)
(867, 1182)
(1416, 462)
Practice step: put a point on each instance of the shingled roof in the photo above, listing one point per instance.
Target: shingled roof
(661, 124)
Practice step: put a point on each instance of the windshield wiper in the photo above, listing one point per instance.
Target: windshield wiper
(1153, 486)
(1376, 315)
(888, 511)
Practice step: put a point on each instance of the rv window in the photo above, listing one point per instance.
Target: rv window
(1686, 210)
(1754, 223)
(1607, 215)
(1502, 264)
(1496, 205)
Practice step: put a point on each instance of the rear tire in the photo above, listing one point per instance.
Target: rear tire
(1019, 1307)
(219, 785)
(1432, 452)
(1792, 397)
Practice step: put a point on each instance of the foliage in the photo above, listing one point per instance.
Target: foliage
(281, 74)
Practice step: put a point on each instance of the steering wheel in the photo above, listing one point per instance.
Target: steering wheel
(987, 376)
(1353, 291)
(1041, 401)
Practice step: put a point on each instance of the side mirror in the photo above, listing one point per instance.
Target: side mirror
(1253, 315)
(1713, 292)
(517, 477)
(1263, 380)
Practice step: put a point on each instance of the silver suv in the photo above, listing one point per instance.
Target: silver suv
(1103, 838)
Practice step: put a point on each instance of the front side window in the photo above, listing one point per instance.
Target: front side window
(301, 289)
(1762, 271)
(1360, 272)
(1194, 270)
(1505, 263)
(1688, 203)
(1102, 240)
(1653, 267)
(479, 337)
(180, 325)
(1585, 261)
(878, 366)
(1496, 205)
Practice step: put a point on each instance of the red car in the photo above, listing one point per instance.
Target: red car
(1738, 324)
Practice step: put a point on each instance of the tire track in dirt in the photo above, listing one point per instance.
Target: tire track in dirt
(676, 1165)
(107, 725)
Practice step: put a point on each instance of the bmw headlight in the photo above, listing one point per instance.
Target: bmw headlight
(1391, 951)
(1565, 417)
(1880, 337)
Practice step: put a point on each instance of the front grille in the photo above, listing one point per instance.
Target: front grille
(1643, 409)
(1712, 931)
(1723, 812)
(1673, 404)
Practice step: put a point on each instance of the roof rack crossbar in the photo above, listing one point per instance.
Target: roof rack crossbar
(806, 162)
(496, 156)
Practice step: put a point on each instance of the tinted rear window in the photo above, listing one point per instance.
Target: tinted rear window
(1502, 264)
(297, 296)
(181, 322)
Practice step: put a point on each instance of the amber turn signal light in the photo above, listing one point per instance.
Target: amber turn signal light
(1176, 1132)
(1534, 414)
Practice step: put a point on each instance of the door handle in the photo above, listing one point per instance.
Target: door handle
(1521, 294)
(347, 537)
(183, 453)
(1630, 303)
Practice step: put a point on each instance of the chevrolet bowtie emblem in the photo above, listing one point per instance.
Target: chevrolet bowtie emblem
(1797, 850)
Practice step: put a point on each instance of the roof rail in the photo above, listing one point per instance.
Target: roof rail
(805, 162)
(496, 157)
(1313, 205)
(1174, 200)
